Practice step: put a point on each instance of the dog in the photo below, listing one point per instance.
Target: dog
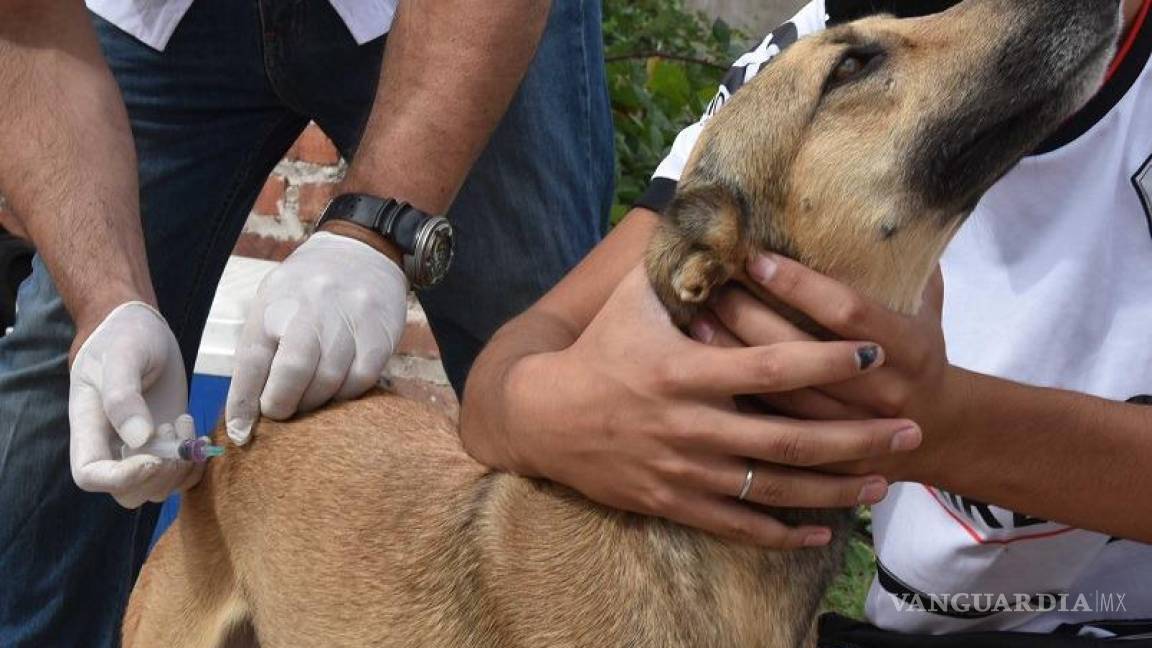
(859, 151)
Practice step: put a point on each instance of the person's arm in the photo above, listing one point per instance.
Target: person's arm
(69, 173)
(552, 324)
(450, 71)
(318, 331)
(1050, 454)
(69, 165)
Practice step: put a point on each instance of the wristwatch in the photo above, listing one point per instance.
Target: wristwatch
(425, 240)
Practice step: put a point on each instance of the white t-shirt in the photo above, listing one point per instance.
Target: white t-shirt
(155, 21)
(1049, 283)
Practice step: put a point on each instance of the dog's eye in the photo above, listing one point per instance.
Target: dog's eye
(848, 68)
(856, 64)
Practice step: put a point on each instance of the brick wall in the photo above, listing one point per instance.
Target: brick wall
(292, 199)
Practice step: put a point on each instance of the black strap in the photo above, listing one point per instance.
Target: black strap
(841, 632)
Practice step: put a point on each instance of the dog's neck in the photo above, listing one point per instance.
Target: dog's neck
(892, 270)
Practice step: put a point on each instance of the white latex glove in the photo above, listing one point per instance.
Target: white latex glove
(322, 326)
(127, 376)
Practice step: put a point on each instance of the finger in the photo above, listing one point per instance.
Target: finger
(184, 427)
(787, 366)
(730, 519)
(751, 320)
(797, 443)
(123, 399)
(880, 393)
(171, 475)
(253, 362)
(705, 328)
(814, 404)
(293, 368)
(117, 477)
(336, 358)
(90, 430)
(372, 353)
(828, 302)
(784, 487)
(166, 480)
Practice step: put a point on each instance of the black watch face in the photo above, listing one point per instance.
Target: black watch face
(438, 255)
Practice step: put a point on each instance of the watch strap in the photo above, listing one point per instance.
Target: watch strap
(393, 219)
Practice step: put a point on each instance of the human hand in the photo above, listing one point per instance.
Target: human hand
(916, 380)
(323, 326)
(127, 376)
(639, 417)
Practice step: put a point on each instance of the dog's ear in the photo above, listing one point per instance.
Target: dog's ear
(696, 248)
(710, 215)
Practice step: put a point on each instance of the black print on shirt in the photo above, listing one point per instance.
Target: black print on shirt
(1143, 183)
(785, 36)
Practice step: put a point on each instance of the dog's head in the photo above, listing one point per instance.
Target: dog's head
(860, 150)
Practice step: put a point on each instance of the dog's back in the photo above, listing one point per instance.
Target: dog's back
(367, 524)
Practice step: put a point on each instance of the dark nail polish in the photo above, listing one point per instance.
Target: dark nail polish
(866, 356)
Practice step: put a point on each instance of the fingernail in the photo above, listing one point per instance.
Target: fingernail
(762, 268)
(239, 432)
(906, 439)
(867, 356)
(818, 538)
(873, 492)
(702, 331)
(135, 431)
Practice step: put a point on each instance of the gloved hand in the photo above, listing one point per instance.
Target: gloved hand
(128, 377)
(323, 326)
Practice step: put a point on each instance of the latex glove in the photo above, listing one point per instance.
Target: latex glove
(127, 376)
(323, 326)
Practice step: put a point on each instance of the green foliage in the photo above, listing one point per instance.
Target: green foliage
(664, 66)
(851, 588)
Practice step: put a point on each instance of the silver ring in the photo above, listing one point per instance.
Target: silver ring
(748, 479)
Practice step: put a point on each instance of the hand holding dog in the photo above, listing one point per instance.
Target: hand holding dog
(915, 382)
(637, 416)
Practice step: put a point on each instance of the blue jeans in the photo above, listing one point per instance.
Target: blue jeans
(211, 117)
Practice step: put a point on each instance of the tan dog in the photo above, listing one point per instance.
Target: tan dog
(859, 152)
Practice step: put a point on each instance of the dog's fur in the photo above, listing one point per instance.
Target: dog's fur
(367, 525)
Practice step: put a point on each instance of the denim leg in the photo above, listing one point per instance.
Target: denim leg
(208, 129)
(67, 558)
(538, 198)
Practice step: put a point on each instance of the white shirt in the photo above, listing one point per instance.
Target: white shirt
(154, 21)
(1049, 283)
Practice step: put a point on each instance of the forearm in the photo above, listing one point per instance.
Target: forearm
(1049, 454)
(450, 70)
(552, 324)
(69, 169)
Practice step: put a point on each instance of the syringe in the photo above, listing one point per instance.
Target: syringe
(197, 450)
(167, 445)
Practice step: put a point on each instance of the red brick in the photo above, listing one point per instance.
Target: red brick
(314, 198)
(418, 341)
(262, 247)
(440, 396)
(271, 196)
(315, 147)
